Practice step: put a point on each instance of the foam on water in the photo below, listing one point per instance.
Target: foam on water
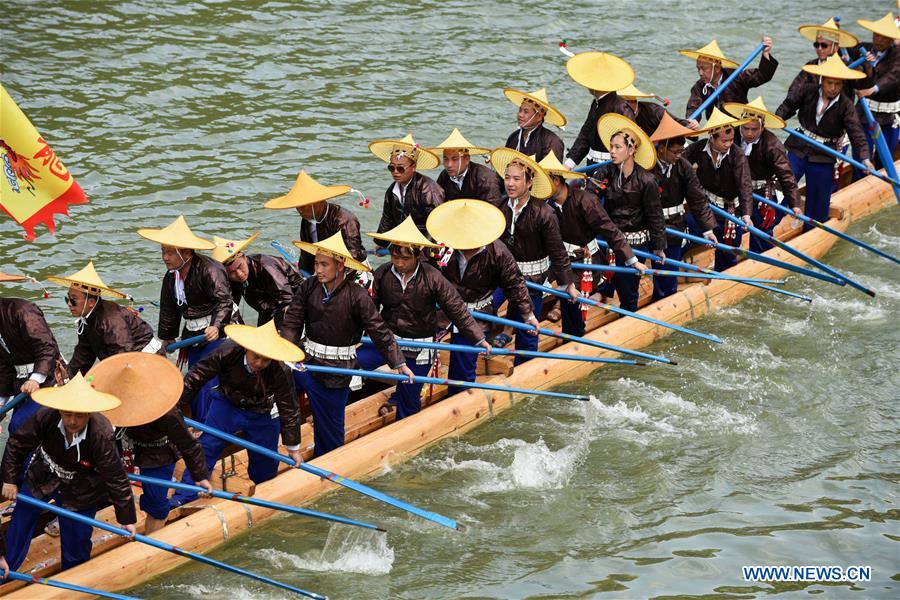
(882, 241)
(200, 590)
(347, 549)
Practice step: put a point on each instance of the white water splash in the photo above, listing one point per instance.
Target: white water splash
(882, 241)
(348, 549)
(205, 591)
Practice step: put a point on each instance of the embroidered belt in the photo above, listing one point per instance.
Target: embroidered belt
(159, 443)
(759, 183)
(534, 267)
(198, 324)
(597, 156)
(153, 346)
(884, 107)
(23, 371)
(719, 200)
(636, 238)
(672, 211)
(592, 246)
(325, 352)
(55, 468)
(424, 354)
(479, 304)
(818, 138)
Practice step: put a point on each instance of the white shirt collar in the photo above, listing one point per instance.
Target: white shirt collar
(821, 108)
(458, 180)
(77, 438)
(399, 277)
(717, 162)
(747, 147)
(399, 191)
(463, 262)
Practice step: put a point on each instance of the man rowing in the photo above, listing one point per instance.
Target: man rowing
(531, 137)
(827, 39)
(462, 178)
(881, 86)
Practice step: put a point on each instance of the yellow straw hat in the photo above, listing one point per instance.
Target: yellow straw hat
(265, 341)
(718, 121)
(541, 186)
(629, 91)
(552, 165)
(385, 149)
(456, 141)
(335, 248)
(466, 224)
(178, 235)
(228, 250)
(669, 128)
(307, 191)
(834, 68)
(88, 281)
(600, 71)
(756, 109)
(885, 26)
(9, 277)
(77, 396)
(830, 31)
(405, 234)
(710, 52)
(612, 123)
(148, 385)
(539, 97)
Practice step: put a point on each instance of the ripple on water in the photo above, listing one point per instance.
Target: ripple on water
(347, 549)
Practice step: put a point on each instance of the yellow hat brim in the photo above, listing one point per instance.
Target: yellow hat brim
(383, 149)
(881, 27)
(76, 396)
(845, 38)
(600, 71)
(726, 64)
(466, 224)
(4, 277)
(265, 341)
(306, 191)
(177, 239)
(831, 71)
(349, 261)
(770, 120)
(612, 123)
(551, 165)
(541, 186)
(404, 234)
(225, 255)
(553, 116)
(88, 281)
(148, 386)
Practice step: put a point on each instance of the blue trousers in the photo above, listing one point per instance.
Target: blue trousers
(407, 397)
(723, 260)
(203, 399)
(572, 317)
(524, 340)
(628, 286)
(21, 413)
(74, 537)
(328, 406)
(664, 285)
(818, 186)
(756, 244)
(155, 498)
(462, 364)
(259, 428)
(197, 352)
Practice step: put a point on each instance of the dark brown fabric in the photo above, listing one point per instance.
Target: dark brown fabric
(588, 138)
(269, 288)
(840, 117)
(480, 182)
(111, 329)
(886, 74)
(338, 320)
(336, 219)
(208, 292)
(650, 114)
(679, 184)
(736, 91)
(633, 202)
(539, 143)
(28, 339)
(730, 181)
(536, 236)
(582, 218)
(422, 196)
(148, 453)
(768, 160)
(99, 473)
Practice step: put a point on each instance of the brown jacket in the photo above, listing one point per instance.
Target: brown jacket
(208, 292)
(539, 143)
(250, 391)
(97, 473)
(582, 218)
(163, 441)
(768, 161)
(633, 203)
(588, 138)
(838, 118)
(679, 183)
(422, 196)
(338, 319)
(26, 339)
(269, 288)
(736, 91)
(111, 329)
(650, 115)
(730, 181)
(480, 182)
(535, 236)
(886, 75)
(336, 219)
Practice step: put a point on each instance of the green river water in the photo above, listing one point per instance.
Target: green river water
(779, 447)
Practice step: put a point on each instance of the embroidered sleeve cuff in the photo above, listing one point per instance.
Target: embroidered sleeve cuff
(293, 448)
(876, 89)
(39, 377)
(631, 261)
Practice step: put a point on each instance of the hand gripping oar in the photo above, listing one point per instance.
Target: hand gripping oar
(290, 259)
(825, 227)
(16, 576)
(840, 156)
(693, 267)
(504, 352)
(887, 159)
(621, 311)
(757, 257)
(191, 341)
(791, 250)
(664, 272)
(62, 512)
(325, 474)
(253, 501)
(12, 404)
(480, 316)
(715, 94)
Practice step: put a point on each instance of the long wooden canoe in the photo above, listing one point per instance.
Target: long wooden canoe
(374, 440)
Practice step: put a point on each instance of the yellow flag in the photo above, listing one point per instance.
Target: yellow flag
(34, 184)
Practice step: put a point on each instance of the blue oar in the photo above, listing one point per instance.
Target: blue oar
(16, 576)
(712, 97)
(840, 156)
(62, 512)
(887, 159)
(290, 259)
(191, 341)
(754, 256)
(791, 250)
(592, 168)
(693, 267)
(825, 227)
(325, 474)
(12, 404)
(650, 271)
(622, 311)
(568, 337)
(504, 352)
(175, 485)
